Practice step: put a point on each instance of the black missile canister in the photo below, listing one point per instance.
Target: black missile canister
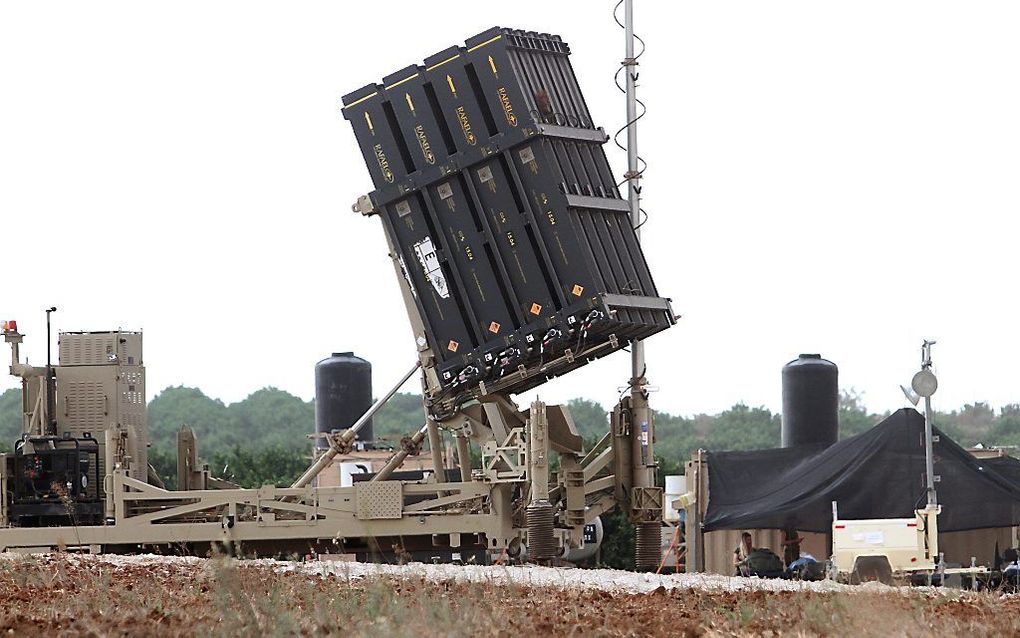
(495, 191)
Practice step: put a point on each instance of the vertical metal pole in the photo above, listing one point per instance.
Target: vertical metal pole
(647, 533)
(692, 522)
(929, 418)
(641, 423)
(633, 170)
(929, 460)
(110, 462)
(51, 400)
(702, 508)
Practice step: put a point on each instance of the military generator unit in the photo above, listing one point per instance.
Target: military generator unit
(80, 418)
(518, 261)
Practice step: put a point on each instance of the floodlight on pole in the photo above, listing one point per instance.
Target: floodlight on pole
(924, 385)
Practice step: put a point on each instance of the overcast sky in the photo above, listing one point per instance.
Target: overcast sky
(823, 177)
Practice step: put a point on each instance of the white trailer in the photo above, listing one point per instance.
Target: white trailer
(890, 549)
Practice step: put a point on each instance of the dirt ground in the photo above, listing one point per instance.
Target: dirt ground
(68, 595)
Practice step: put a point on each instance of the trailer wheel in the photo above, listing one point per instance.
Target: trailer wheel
(871, 568)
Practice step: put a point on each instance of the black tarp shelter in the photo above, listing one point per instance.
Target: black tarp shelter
(1007, 466)
(876, 474)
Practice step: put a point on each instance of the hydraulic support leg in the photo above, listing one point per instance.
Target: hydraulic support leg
(540, 516)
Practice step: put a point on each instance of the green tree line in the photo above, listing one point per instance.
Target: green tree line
(264, 438)
(272, 419)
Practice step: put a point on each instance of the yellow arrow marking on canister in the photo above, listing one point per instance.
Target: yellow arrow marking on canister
(368, 118)
(492, 64)
(410, 104)
(453, 89)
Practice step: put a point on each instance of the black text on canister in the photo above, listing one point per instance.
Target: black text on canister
(343, 392)
(810, 402)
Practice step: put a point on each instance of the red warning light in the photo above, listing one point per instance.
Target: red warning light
(10, 326)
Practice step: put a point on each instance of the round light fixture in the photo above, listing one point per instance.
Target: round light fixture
(924, 383)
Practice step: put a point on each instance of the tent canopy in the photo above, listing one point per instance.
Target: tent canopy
(877, 474)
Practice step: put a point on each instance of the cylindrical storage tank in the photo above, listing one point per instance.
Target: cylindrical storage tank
(676, 486)
(810, 401)
(343, 392)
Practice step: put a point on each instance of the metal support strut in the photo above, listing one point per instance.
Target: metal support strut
(408, 446)
(340, 443)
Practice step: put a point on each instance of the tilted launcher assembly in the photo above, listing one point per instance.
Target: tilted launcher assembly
(518, 262)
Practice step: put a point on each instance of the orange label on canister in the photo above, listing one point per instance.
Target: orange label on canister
(536, 309)
(494, 327)
(452, 346)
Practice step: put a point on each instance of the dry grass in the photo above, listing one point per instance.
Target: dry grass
(68, 596)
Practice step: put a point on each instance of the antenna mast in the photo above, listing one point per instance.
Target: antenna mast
(645, 498)
(633, 174)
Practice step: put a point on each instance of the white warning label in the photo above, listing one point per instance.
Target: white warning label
(429, 261)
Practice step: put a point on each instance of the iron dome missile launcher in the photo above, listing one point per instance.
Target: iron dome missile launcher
(517, 262)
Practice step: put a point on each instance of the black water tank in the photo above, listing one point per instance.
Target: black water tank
(810, 401)
(343, 392)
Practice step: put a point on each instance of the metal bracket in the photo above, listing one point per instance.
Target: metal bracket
(506, 462)
(409, 445)
(364, 206)
(646, 504)
(336, 441)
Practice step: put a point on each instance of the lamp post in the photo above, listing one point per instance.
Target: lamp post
(923, 385)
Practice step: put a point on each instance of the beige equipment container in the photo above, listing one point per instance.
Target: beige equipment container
(100, 392)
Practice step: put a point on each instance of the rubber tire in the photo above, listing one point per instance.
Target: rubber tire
(871, 568)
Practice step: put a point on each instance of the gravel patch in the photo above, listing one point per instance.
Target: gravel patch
(607, 580)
